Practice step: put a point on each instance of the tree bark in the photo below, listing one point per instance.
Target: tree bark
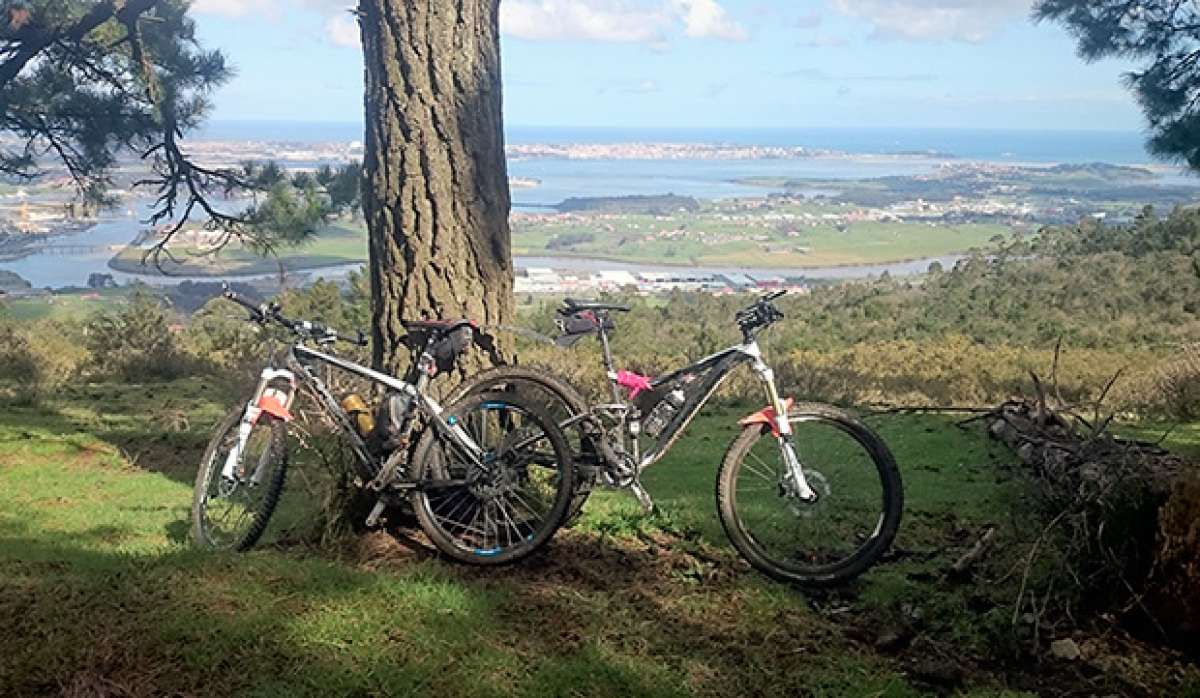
(436, 195)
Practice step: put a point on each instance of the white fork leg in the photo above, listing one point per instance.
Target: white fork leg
(229, 472)
(796, 471)
(783, 426)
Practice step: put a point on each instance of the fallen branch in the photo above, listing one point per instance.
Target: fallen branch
(976, 553)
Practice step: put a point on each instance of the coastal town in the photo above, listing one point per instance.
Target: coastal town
(564, 282)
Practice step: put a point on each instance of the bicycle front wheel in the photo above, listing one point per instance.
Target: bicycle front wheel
(239, 482)
(505, 502)
(823, 542)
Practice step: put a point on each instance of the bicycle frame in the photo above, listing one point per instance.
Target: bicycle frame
(717, 366)
(300, 361)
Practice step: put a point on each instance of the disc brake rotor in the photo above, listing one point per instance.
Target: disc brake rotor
(818, 483)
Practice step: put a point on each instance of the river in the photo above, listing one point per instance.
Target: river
(69, 259)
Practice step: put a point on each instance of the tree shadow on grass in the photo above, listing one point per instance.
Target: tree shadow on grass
(84, 618)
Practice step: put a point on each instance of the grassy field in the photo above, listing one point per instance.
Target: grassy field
(62, 306)
(101, 594)
(341, 243)
(705, 239)
(710, 239)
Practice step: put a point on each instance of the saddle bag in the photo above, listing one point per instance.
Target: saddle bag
(575, 326)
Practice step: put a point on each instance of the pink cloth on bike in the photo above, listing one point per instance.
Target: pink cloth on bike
(635, 382)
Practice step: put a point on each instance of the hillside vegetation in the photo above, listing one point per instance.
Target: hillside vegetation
(106, 414)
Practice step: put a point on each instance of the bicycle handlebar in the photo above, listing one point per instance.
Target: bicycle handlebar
(762, 313)
(313, 330)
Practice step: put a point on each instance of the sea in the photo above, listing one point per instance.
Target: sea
(993, 145)
(923, 150)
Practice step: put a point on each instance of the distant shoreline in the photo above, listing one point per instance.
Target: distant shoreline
(1065, 145)
(257, 268)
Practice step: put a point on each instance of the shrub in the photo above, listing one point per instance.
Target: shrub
(135, 342)
(219, 339)
(1177, 384)
(40, 357)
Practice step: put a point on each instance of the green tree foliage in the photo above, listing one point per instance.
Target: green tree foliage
(345, 187)
(83, 82)
(1165, 36)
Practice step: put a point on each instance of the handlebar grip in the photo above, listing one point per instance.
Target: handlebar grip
(257, 310)
(777, 294)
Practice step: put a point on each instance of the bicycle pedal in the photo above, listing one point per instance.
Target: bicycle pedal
(376, 513)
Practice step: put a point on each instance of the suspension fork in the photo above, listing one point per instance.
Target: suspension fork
(265, 399)
(783, 428)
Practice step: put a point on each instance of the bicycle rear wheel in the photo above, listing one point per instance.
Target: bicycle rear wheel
(824, 542)
(508, 504)
(230, 510)
(561, 402)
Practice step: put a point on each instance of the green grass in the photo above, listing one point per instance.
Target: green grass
(619, 238)
(341, 243)
(1183, 439)
(62, 306)
(100, 591)
(709, 238)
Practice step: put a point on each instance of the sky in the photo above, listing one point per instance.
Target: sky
(704, 64)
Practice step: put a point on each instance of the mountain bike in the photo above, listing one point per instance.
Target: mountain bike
(490, 477)
(806, 493)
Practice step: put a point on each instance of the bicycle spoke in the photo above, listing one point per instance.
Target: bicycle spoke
(512, 525)
(767, 472)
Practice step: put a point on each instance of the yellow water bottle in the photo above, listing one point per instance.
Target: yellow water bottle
(358, 410)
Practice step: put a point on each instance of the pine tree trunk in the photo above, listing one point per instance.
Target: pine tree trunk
(436, 195)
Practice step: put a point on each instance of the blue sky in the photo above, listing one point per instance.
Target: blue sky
(705, 63)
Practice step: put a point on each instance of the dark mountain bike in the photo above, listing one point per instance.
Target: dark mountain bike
(490, 478)
(806, 493)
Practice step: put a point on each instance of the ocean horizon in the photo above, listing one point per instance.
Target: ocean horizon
(999, 145)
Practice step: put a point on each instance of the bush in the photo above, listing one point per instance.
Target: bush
(219, 339)
(1177, 383)
(40, 357)
(135, 343)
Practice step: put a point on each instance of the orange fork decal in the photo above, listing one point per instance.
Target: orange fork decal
(270, 403)
(766, 416)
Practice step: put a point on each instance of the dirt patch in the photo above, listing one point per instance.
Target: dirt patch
(378, 550)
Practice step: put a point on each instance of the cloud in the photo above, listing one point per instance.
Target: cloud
(825, 76)
(586, 20)
(935, 20)
(811, 20)
(617, 21)
(705, 19)
(342, 30)
(639, 87)
(822, 41)
(229, 8)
